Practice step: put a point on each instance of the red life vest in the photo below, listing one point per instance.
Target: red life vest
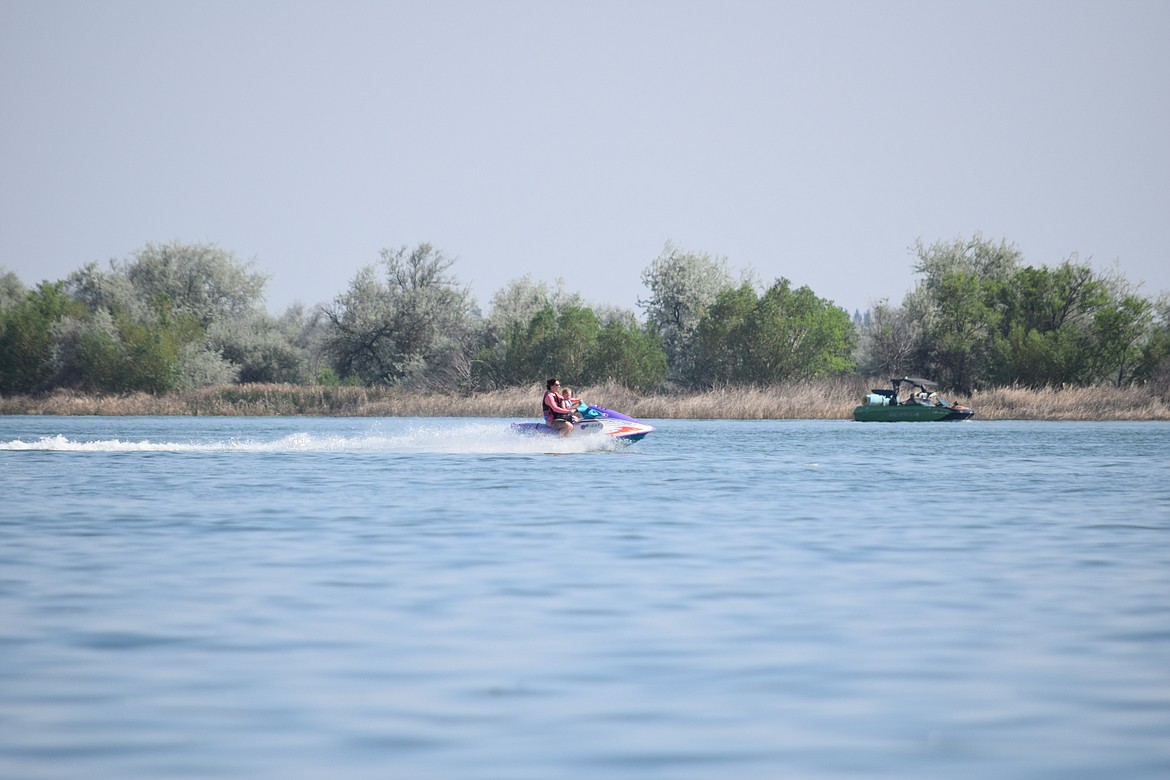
(551, 414)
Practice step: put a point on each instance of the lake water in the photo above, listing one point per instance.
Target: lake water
(441, 598)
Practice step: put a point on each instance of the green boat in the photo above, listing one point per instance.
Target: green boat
(913, 399)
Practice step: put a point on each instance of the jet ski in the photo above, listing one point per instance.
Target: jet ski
(594, 420)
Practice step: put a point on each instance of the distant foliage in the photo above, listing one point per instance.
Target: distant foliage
(980, 318)
(1154, 364)
(627, 354)
(28, 336)
(534, 332)
(185, 316)
(494, 364)
(584, 345)
(151, 320)
(104, 352)
(406, 322)
(260, 349)
(12, 290)
(887, 339)
(783, 335)
(682, 285)
(142, 325)
(552, 342)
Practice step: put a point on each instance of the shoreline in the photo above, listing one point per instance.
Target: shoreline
(827, 400)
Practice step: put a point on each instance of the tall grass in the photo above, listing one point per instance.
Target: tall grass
(822, 400)
(1072, 403)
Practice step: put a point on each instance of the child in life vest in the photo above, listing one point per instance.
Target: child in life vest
(571, 402)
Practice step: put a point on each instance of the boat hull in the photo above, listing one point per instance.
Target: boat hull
(911, 413)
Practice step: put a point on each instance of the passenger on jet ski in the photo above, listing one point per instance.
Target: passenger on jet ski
(568, 400)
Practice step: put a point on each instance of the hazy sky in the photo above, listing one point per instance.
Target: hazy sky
(811, 140)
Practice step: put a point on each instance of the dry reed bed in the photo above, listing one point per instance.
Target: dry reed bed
(826, 400)
(1073, 403)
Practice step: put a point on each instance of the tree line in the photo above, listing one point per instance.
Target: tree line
(180, 316)
(979, 317)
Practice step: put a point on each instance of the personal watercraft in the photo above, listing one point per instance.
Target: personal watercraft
(594, 420)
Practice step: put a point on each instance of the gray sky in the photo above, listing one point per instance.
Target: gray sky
(812, 140)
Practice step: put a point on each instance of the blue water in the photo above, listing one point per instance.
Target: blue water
(439, 598)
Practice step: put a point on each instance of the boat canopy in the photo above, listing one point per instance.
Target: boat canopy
(925, 384)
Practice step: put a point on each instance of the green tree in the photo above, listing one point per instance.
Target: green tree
(986, 319)
(506, 328)
(176, 309)
(115, 352)
(956, 306)
(552, 343)
(1039, 358)
(12, 290)
(682, 286)
(90, 353)
(801, 336)
(629, 355)
(200, 280)
(162, 354)
(1119, 332)
(1045, 299)
(724, 339)
(782, 335)
(411, 325)
(28, 335)
(524, 352)
(305, 329)
(573, 344)
(959, 332)
(887, 341)
(1042, 332)
(1154, 365)
(261, 349)
(977, 257)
